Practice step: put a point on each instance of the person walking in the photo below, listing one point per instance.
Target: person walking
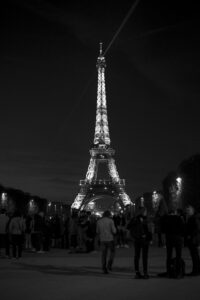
(193, 238)
(142, 236)
(106, 231)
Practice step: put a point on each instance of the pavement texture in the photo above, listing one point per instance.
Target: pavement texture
(58, 275)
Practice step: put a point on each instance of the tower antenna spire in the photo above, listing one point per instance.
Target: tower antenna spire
(101, 47)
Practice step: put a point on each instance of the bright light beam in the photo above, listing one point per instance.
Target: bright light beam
(131, 10)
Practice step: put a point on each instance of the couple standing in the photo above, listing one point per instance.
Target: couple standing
(138, 228)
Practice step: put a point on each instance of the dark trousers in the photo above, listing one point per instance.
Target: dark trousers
(120, 237)
(108, 248)
(89, 244)
(194, 252)
(37, 240)
(17, 241)
(7, 245)
(174, 242)
(2, 241)
(141, 245)
(73, 241)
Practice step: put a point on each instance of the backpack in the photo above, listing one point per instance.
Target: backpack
(174, 270)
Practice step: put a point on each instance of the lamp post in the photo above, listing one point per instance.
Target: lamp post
(4, 200)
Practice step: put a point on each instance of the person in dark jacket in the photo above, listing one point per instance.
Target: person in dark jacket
(193, 238)
(173, 227)
(37, 234)
(141, 234)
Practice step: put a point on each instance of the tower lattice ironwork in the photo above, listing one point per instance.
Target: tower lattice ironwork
(101, 154)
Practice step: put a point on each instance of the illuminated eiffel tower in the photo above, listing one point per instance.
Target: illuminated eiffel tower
(99, 184)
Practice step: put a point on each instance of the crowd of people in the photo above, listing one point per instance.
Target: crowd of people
(84, 232)
(178, 228)
(36, 233)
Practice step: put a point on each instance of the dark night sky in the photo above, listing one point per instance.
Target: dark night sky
(48, 91)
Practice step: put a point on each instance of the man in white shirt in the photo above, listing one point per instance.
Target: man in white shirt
(106, 230)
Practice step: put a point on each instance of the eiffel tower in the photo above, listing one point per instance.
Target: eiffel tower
(100, 185)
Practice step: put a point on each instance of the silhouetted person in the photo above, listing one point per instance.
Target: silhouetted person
(56, 234)
(82, 229)
(28, 230)
(158, 231)
(73, 231)
(46, 235)
(3, 222)
(174, 228)
(17, 229)
(37, 233)
(106, 230)
(8, 238)
(193, 238)
(120, 223)
(139, 231)
(90, 232)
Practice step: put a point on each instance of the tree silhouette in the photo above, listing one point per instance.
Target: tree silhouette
(189, 170)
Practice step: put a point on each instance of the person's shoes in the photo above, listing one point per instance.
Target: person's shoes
(126, 246)
(105, 271)
(138, 275)
(146, 276)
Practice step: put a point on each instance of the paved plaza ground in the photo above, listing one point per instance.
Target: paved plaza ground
(58, 275)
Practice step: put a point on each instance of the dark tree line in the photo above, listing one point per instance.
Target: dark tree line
(21, 199)
(189, 172)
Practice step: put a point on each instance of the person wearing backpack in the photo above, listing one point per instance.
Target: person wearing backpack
(193, 238)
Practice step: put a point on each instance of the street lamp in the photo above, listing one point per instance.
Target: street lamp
(4, 199)
(179, 184)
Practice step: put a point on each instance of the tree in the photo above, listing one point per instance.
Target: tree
(189, 170)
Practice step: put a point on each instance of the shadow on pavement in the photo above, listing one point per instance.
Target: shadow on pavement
(122, 273)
